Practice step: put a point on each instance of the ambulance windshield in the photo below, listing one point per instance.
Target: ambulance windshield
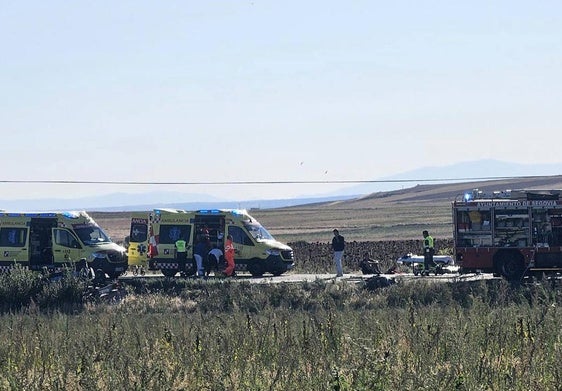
(92, 235)
(257, 231)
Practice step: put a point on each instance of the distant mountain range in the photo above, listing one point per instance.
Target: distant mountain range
(124, 202)
(447, 192)
(456, 173)
(460, 172)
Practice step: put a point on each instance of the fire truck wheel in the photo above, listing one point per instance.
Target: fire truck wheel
(512, 267)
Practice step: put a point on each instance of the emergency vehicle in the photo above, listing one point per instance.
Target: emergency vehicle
(137, 242)
(52, 240)
(511, 233)
(153, 236)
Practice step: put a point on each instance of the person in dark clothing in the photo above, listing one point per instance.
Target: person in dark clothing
(199, 253)
(369, 266)
(338, 245)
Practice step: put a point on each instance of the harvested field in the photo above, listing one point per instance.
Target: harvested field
(317, 257)
(394, 215)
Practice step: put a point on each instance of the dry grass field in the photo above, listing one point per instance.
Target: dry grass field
(315, 224)
(381, 216)
(396, 215)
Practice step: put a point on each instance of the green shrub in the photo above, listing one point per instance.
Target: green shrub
(21, 287)
(18, 288)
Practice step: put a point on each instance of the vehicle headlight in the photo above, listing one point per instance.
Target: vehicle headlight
(273, 251)
(96, 255)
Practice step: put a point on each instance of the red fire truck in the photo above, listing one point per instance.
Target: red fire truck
(511, 233)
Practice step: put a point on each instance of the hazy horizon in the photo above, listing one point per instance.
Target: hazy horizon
(290, 91)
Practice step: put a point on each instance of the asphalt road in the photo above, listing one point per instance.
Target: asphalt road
(350, 278)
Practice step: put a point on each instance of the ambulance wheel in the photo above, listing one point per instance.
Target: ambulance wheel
(256, 269)
(188, 272)
(277, 272)
(169, 272)
(416, 272)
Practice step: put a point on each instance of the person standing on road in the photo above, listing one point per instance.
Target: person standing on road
(338, 245)
(428, 251)
(229, 256)
(181, 253)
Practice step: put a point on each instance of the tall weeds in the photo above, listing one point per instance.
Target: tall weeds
(218, 335)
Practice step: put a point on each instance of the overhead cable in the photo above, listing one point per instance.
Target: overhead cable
(269, 182)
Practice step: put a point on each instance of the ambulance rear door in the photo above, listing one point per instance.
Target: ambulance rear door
(14, 244)
(137, 248)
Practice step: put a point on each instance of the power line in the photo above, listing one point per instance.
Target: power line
(287, 182)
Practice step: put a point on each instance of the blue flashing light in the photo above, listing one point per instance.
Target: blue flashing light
(71, 215)
(209, 211)
(467, 196)
(30, 214)
(46, 214)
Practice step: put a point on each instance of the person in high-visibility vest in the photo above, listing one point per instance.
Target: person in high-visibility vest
(229, 256)
(428, 251)
(181, 253)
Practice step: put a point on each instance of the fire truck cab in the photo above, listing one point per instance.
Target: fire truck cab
(510, 233)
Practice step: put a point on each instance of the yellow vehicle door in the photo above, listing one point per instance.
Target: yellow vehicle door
(66, 246)
(243, 244)
(14, 245)
(137, 247)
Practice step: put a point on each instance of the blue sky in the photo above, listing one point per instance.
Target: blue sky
(271, 91)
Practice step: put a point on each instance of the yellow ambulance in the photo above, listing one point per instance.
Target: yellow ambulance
(51, 240)
(137, 241)
(153, 236)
